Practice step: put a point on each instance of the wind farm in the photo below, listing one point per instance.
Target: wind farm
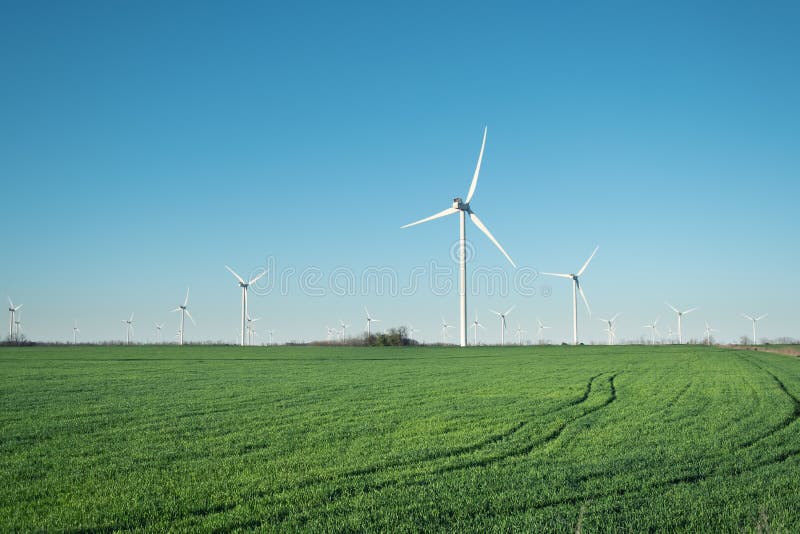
(391, 320)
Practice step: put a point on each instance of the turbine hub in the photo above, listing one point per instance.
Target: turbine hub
(460, 204)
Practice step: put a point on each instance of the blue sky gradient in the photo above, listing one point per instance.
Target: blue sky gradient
(146, 145)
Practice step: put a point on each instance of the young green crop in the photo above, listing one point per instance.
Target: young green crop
(398, 439)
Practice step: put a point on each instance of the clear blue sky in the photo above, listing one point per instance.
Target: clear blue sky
(146, 145)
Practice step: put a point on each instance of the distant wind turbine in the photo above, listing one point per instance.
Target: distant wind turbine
(331, 332)
(270, 332)
(519, 333)
(576, 288)
(680, 316)
(610, 328)
(12, 311)
(503, 323)
(708, 333)
(541, 328)
(754, 320)
(412, 331)
(344, 326)
(445, 326)
(184, 312)
(370, 320)
(158, 332)
(251, 329)
(75, 332)
(128, 329)
(462, 207)
(244, 285)
(475, 325)
(654, 329)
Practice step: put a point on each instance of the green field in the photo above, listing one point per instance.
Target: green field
(406, 439)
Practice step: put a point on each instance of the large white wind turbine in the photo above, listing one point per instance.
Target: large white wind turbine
(503, 323)
(542, 327)
(680, 317)
(12, 311)
(244, 285)
(462, 207)
(755, 320)
(370, 320)
(128, 329)
(576, 288)
(610, 328)
(654, 329)
(184, 312)
(475, 325)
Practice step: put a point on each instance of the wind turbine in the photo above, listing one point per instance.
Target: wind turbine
(331, 332)
(270, 332)
(244, 285)
(344, 326)
(610, 328)
(184, 312)
(411, 331)
(755, 320)
(75, 332)
(462, 207)
(158, 332)
(654, 329)
(541, 328)
(12, 311)
(519, 333)
(680, 316)
(18, 325)
(708, 333)
(503, 323)
(445, 326)
(576, 288)
(475, 325)
(370, 320)
(128, 329)
(250, 330)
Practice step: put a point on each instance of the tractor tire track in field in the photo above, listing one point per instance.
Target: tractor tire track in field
(452, 452)
(788, 420)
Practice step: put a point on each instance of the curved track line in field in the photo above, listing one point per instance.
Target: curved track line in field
(788, 420)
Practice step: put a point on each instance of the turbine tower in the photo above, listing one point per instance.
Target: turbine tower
(654, 329)
(462, 207)
(184, 312)
(755, 320)
(370, 320)
(475, 325)
(680, 316)
(541, 328)
(244, 285)
(128, 329)
(12, 311)
(503, 323)
(610, 328)
(576, 288)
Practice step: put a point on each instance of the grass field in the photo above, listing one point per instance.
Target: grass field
(343, 439)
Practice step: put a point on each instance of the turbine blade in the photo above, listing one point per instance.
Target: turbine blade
(443, 213)
(585, 265)
(759, 318)
(747, 317)
(186, 301)
(239, 278)
(474, 183)
(510, 310)
(474, 218)
(190, 317)
(672, 307)
(559, 275)
(496, 313)
(690, 310)
(254, 280)
(585, 300)
(615, 317)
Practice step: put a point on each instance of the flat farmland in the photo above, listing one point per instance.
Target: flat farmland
(202, 438)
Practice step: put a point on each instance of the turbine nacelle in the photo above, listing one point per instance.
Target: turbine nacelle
(459, 204)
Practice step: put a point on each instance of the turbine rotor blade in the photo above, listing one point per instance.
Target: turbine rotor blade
(186, 301)
(257, 278)
(585, 265)
(443, 213)
(690, 310)
(585, 300)
(474, 183)
(560, 275)
(474, 218)
(510, 310)
(759, 318)
(239, 278)
(672, 307)
(190, 317)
